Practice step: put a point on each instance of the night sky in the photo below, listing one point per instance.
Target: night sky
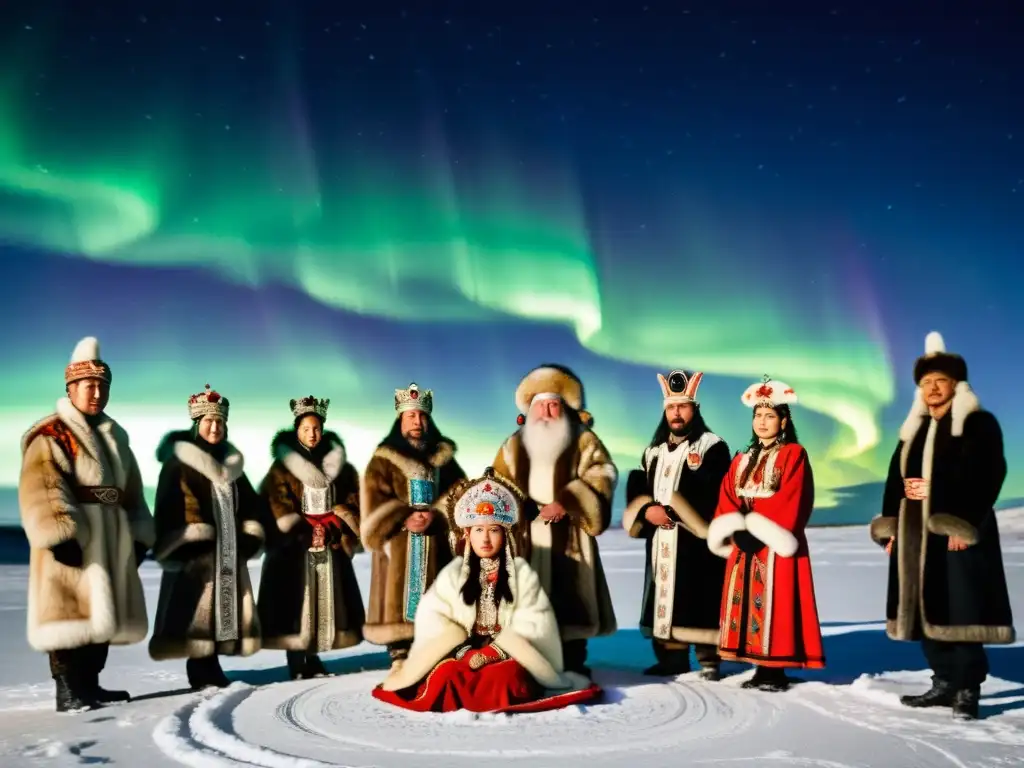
(282, 199)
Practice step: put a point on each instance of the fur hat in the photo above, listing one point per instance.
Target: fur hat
(414, 399)
(680, 387)
(309, 404)
(937, 360)
(208, 403)
(768, 392)
(551, 381)
(86, 363)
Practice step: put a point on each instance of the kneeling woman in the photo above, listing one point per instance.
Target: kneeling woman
(486, 638)
(769, 615)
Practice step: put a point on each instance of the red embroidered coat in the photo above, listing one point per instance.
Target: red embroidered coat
(769, 614)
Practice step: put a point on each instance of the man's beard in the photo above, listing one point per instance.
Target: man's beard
(547, 440)
(419, 443)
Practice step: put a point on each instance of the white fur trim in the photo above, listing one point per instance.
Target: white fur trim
(190, 534)
(376, 517)
(965, 402)
(721, 530)
(86, 349)
(778, 539)
(193, 456)
(308, 473)
(287, 522)
(934, 343)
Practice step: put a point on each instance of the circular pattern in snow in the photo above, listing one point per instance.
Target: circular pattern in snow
(337, 722)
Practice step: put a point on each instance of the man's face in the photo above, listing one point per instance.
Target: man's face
(414, 425)
(89, 396)
(546, 410)
(937, 389)
(678, 416)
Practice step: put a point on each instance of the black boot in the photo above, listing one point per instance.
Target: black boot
(315, 667)
(710, 673)
(70, 699)
(668, 668)
(940, 695)
(965, 704)
(296, 665)
(102, 695)
(768, 679)
(206, 673)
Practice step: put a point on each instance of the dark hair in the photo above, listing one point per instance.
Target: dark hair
(694, 429)
(432, 437)
(787, 435)
(471, 589)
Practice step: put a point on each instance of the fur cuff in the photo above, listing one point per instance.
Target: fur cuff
(720, 532)
(951, 525)
(883, 528)
(253, 528)
(633, 517)
(286, 522)
(584, 506)
(532, 660)
(424, 656)
(381, 524)
(775, 537)
(689, 516)
(347, 517)
(190, 534)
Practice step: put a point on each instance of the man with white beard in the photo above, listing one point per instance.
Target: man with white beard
(569, 478)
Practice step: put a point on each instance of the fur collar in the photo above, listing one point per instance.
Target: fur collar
(285, 448)
(180, 445)
(443, 453)
(88, 437)
(965, 402)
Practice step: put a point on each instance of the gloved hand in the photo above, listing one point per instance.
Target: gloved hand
(68, 553)
(479, 660)
(747, 542)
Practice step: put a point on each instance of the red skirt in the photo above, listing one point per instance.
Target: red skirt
(502, 685)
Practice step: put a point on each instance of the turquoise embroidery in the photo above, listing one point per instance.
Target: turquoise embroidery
(421, 492)
(416, 572)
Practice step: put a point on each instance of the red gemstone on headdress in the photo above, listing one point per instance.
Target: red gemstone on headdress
(414, 395)
(765, 391)
(520, 419)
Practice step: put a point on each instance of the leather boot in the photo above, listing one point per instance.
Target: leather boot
(91, 684)
(296, 665)
(206, 673)
(965, 704)
(939, 695)
(315, 667)
(70, 699)
(710, 673)
(768, 679)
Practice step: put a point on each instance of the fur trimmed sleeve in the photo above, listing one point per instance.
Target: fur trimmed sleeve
(279, 500)
(638, 499)
(778, 519)
(49, 511)
(587, 499)
(382, 513)
(134, 504)
(176, 514)
(728, 518)
(346, 496)
(883, 527)
(250, 513)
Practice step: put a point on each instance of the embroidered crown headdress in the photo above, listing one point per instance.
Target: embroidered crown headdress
(209, 402)
(414, 399)
(302, 405)
(86, 363)
(680, 387)
(768, 392)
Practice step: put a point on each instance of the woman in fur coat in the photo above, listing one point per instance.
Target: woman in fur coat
(486, 638)
(309, 600)
(207, 522)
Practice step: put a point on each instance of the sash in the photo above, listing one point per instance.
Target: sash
(320, 578)
(225, 577)
(417, 554)
(663, 556)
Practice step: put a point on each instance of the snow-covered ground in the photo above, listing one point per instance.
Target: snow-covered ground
(846, 715)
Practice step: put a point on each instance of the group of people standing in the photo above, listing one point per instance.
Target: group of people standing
(486, 591)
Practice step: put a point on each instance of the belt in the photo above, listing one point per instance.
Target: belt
(97, 494)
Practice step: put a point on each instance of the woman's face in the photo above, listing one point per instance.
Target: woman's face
(486, 540)
(211, 429)
(310, 431)
(767, 423)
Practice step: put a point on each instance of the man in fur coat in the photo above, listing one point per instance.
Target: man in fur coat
(669, 503)
(402, 519)
(947, 587)
(89, 529)
(569, 478)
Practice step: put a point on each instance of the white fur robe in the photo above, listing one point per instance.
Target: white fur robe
(529, 635)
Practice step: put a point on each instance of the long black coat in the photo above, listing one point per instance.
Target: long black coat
(960, 595)
(699, 573)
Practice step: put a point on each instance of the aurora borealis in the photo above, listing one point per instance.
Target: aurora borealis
(298, 201)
